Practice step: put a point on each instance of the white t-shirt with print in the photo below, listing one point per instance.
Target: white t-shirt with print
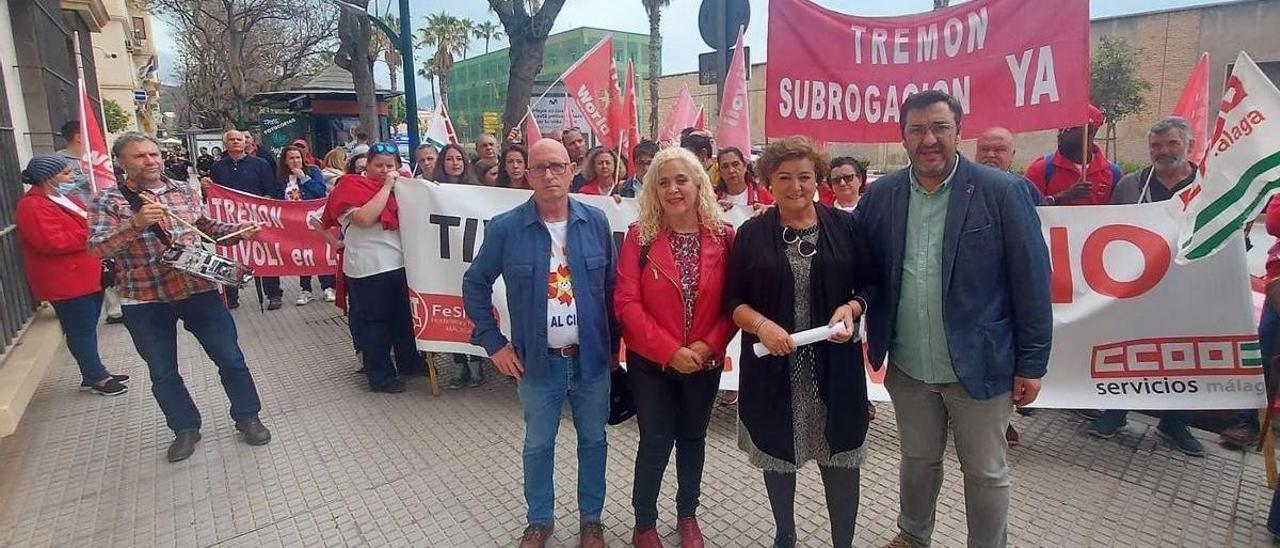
(562, 309)
(369, 251)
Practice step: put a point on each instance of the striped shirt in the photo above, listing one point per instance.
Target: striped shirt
(143, 275)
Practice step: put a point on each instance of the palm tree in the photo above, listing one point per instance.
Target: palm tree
(428, 71)
(451, 37)
(653, 8)
(486, 31)
(390, 52)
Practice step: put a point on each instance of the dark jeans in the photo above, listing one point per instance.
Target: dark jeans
(153, 327)
(381, 303)
(270, 288)
(79, 320)
(671, 408)
(326, 282)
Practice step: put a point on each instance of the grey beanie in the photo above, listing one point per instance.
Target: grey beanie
(43, 167)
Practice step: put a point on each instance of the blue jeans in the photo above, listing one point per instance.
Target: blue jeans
(79, 320)
(541, 401)
(381, 322)
(153, 327)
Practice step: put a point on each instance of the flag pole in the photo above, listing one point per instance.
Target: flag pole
(538, 101)
(84, 127)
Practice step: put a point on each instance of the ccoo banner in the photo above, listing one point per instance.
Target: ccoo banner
(844, 78)
(1132, 330)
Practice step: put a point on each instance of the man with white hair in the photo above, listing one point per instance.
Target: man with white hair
(1170, 171)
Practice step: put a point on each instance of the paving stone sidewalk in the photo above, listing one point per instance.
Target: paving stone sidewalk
(352, 468)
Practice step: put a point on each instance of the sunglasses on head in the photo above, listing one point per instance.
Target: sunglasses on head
(383, 148)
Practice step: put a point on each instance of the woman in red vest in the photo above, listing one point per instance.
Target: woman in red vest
(52, 230)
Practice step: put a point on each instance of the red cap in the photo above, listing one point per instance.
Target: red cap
(1096, 117)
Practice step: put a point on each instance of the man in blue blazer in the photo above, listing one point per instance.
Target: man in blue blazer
(962, 309)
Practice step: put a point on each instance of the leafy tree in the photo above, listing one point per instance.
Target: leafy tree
(117, 118)
(396, 111)
(653, 8)
(229, 50)
(527, 25)
(1114, 85)
(390, 52)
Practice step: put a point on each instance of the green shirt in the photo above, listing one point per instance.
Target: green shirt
(919, 346)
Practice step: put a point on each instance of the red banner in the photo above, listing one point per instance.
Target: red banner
(836, 77)
(592, 83)
(1193, 105)
(285, 246)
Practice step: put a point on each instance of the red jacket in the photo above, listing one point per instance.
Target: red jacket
(59, 267)
(649, 305)
(1273, 228)
(1065, 174)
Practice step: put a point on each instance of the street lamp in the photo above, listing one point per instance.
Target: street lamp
(404, 42)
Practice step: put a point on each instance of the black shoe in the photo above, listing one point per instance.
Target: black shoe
(110, 388)
(274, 303)
(184, 444)
(254, 432)
(233, 304)
(395, 387)
(118, 378)
(113, 320)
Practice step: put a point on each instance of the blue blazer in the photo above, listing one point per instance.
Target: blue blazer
(995, 267)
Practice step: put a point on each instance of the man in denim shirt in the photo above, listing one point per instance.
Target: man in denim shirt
(556, 256)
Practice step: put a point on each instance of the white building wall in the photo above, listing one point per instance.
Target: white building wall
(13, 85)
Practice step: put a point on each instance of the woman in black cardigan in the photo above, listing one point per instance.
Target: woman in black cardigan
(807, 268)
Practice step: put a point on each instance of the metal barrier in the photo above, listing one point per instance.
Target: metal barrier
(17, 306)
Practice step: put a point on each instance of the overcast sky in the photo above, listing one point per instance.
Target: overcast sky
(680, 39)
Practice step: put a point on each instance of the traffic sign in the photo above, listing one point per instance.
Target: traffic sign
(718, 21)
(711, 65)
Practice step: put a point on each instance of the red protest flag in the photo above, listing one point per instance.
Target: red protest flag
(1193, 105)
(700, 119)
(630, 110)
(683, 114)
(734, 129)
(592, 83)
(532, 133)
(94, 161)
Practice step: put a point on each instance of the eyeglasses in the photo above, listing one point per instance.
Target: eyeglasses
(940, 130)
(791, 236)
(845, 180)
(556, 169)
(383, 148)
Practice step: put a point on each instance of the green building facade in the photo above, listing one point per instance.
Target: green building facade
(478, 85)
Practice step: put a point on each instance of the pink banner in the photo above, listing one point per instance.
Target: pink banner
(836, 77)
(285, 246)
(735, 107)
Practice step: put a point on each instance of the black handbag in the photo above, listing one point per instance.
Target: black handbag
(109, 269)
(621, 406)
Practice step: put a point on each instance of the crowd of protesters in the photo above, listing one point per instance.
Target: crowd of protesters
(827, 248)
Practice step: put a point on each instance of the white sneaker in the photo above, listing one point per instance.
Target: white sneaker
(303, 298)
(330, 295)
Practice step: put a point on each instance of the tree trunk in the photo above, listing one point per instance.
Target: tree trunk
(235, 65)
(526, 63)
(655, 46)
(354, 55)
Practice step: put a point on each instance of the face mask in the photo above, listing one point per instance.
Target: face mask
(66, 188)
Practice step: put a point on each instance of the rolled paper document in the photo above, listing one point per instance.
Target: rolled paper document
(808, 336)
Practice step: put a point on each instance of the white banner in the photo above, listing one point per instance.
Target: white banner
(1132, 330)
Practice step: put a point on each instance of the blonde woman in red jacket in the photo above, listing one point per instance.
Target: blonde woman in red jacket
(52, 230)
(671, 274)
